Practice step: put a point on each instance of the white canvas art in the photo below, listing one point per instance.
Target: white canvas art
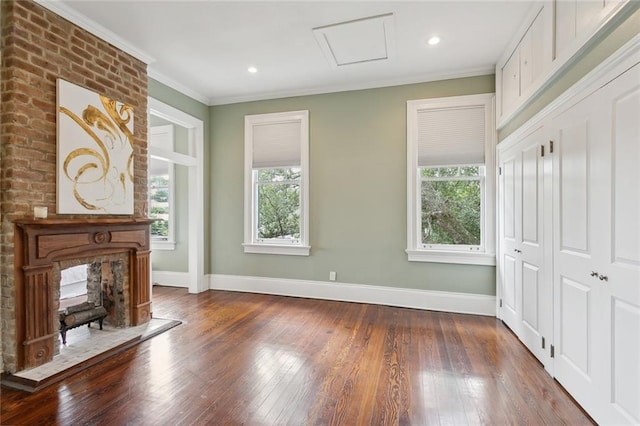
(95, 153)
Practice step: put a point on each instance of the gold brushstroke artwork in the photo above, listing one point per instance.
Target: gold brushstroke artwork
(95, 153)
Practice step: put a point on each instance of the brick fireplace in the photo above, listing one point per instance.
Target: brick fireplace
(40, 244)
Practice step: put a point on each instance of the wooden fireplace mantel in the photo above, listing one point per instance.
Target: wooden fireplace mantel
(39, 243)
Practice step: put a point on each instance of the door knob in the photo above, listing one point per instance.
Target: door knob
(594, 274)
(603, 278)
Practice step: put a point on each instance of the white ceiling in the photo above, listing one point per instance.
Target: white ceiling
(203, 48)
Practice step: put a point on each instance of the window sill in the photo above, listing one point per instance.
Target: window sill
(163, 245)
(289, 250)
(440, 256)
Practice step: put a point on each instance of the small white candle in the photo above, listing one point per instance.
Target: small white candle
(40, 212)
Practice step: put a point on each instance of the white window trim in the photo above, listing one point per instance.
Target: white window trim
(170, 242)
(251, 243)
(450, 254)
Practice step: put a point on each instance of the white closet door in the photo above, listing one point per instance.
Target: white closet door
(510, 292)
(620, 303)
(521, 250)
(576, 193)
(536, 308)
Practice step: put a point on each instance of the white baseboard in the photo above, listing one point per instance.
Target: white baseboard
(170, 279)
(465, 303)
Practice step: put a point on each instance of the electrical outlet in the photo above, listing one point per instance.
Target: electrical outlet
(332, 276)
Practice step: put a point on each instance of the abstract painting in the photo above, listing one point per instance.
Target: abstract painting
(94, 153)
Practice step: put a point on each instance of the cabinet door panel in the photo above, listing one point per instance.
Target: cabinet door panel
(565, 25)
(511, 82)
(532, 54)
(587, 15)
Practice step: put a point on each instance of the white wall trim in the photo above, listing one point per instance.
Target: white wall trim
(195, 162)
(170, 278)
(180, 87)
(465, 303)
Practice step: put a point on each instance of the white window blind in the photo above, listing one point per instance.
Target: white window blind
(276, 144)
(451, 136)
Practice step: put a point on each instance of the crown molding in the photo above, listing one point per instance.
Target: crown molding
(320, 90)
(96, 29)
(169, 82)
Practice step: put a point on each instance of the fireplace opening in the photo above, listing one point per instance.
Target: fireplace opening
(90, 291)
(73, 286)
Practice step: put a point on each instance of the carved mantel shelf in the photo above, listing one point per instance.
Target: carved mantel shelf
(39, 243)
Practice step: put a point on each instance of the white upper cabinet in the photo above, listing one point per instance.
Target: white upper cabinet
(550, 39)
(526, 62)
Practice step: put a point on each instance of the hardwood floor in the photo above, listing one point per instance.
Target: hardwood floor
(269, 360)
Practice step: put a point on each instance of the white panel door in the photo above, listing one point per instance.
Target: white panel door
(522, 289)
(535, 301)
(510, 311)
(620, 267)
(576, 225)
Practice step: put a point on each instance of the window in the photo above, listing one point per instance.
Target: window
(276, 183)
(450, 143)
(161, 188)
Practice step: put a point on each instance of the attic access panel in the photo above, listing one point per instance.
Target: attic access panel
(362, 40)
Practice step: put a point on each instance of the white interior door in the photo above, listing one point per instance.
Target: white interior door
(509, 212)
(576, 194)
(620, 267)
(521, 237)
(535, 302)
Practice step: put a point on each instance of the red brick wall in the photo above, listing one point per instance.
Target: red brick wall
(38, 47)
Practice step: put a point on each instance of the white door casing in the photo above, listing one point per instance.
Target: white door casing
(195, 163)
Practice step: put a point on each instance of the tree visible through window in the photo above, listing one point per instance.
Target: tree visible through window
(451, 205)
(278, 192)
(159, 206)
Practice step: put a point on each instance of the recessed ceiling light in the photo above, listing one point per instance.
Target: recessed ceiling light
(433, 40)
(252, 70)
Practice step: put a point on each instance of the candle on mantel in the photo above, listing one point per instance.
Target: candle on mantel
(40, 212)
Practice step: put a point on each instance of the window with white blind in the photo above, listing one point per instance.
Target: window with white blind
(276, 208)
(450, 180)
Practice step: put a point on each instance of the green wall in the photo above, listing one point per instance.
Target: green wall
(357, 191)
(621, 32)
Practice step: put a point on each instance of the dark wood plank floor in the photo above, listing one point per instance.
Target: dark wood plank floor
(268, 360)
